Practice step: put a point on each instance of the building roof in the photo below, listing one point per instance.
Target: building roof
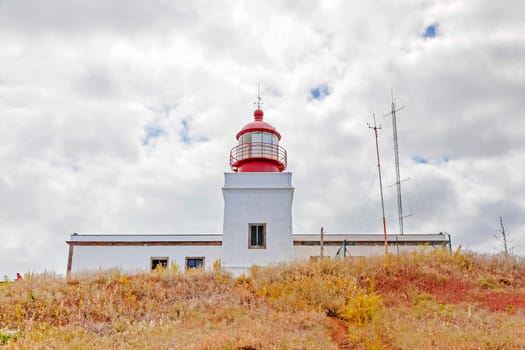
(146, 239)
(258, 124)
(372, 237)
(182, 238)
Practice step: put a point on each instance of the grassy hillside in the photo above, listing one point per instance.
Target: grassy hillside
(425, 300)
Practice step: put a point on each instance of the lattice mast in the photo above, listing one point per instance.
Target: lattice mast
(396, 154)
(375, 128)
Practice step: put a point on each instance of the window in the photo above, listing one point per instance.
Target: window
(267, 138)
(257, 236)
(194, 262)
(162, 261)
(257, 137)
(246, 138)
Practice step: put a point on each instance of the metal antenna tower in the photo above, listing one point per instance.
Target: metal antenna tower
(375, 127)
(396, 153)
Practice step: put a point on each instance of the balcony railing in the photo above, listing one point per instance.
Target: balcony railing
(252, 150)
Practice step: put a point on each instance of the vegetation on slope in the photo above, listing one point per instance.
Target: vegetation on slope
(423, 300)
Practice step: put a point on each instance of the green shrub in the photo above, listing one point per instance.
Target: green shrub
(7, 336)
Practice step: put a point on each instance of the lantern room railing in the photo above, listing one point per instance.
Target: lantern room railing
(257, 150)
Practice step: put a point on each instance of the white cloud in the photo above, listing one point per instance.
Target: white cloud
(80, 84)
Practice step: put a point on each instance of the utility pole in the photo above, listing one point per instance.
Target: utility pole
(396, 153)
(375, 128)
(322, 243)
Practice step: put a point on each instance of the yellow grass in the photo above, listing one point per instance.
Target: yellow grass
(431, 299)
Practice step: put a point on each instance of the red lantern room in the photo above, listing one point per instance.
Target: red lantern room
(258, 149)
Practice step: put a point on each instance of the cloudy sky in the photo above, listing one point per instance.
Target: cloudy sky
(118, 116)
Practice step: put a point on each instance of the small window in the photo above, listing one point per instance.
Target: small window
(194, 262)
(257, 236)
(162, 261)
(267, 137)
(257, 137)
(246, 138)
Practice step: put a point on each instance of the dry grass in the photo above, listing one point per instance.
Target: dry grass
(425, 300)
(197, 310)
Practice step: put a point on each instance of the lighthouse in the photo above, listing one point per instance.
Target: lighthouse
(258, 196)
(257, 226)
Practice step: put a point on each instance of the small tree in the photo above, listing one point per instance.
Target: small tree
(504, 237)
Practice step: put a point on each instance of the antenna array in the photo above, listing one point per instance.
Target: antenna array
(396, 153)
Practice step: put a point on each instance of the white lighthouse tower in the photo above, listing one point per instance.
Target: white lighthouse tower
(258, 197)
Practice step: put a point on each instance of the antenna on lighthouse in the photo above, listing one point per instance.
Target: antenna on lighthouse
(375, 128)
(392, 113)
(259, 101)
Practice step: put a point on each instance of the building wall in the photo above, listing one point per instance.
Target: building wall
(138, 258)
(256, 198)
(132, 252)
(306, 252)
(365, 244)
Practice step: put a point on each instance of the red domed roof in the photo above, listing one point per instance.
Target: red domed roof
(258, 156)
(258, 125)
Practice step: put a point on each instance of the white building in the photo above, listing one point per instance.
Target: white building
(257, 228)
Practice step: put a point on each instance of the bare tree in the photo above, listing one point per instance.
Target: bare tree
(503, 236)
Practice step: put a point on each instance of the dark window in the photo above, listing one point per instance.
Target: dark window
(194, 262)
(162, 261)
(257, 239)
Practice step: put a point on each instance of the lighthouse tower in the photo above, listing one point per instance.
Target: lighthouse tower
(258, 197)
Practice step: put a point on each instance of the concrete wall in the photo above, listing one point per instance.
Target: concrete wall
(256, 198)
(365, 244)
(137, 258)
(134, 252)
(305, 252)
